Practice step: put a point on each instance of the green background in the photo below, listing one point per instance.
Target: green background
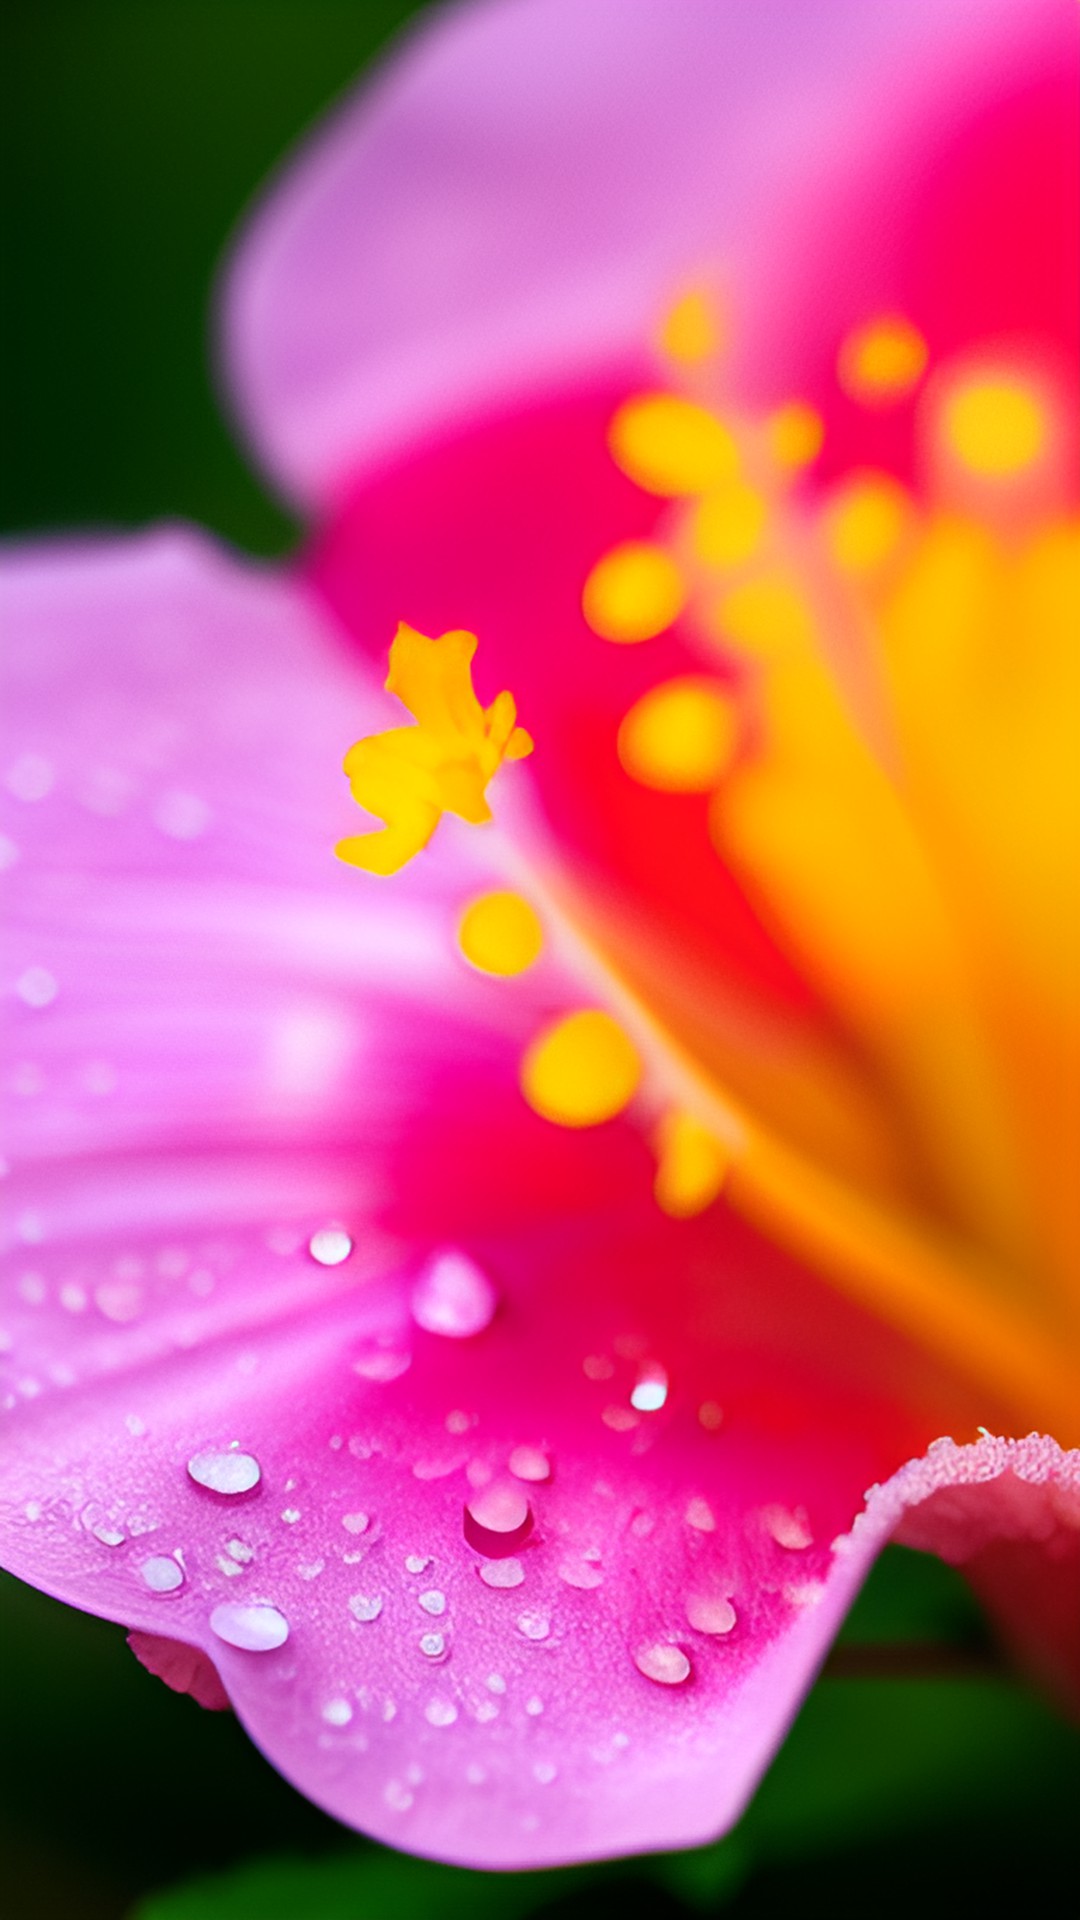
(135, 135)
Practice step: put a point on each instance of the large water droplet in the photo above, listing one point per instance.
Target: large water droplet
(667, 1665)
(162, 1574)
(330, 1246)
(497, 1519)
(710, 1613)
(453, 1297)
(225, 1471)
(255, 1629)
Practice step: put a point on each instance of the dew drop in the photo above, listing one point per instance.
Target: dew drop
(495, 1683)
(710, 1613)
(291, 1515)
(416, 1562)
(36, 987)
(667, 1665)
(432, 1645)
(366, 1606)
(162, 1574)
(790, 1529)
(453, 1297)
(497, 1519)
(440, 1713)
(255, 1629)
(330, 1246)
(700, 1516)
(337, 1713)
(433, 1601)
(528, 1463)
(534, 1706)
(397, 1796)
(355, 1522)
(650, 1391)
(502, 1573)
(239, 1551)
(381, 1361)
(711, 1416)
(535, 1626)
(619, 1419)
(581, 1574)
(225, 1471)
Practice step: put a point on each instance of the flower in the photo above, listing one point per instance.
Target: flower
(459, 1314)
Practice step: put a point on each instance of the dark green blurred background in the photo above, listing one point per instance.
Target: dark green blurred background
(135, 133)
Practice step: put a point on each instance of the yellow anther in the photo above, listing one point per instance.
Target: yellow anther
(671, 446)
(865, 521)
(882, 361)
(690, 332)
(692, 1166)
(728, 526)
(410, 776)
(995, 426)
(794, 434)
(767, 617)
(634, 592)
(500, 933)
(679, 737)
(580, 1071)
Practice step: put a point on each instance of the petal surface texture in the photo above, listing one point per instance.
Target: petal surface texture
(396, 279)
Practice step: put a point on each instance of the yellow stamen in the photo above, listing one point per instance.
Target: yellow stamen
(633, 593)
(671, 446)
(410, 776)
(582, 1070)
(691, 332)
(995, 426)
(500, 933)
(692, 1165)
(728, 526)
(679, 737)
(882, 361)
(794, 434)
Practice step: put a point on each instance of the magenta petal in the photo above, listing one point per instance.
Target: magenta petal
(529, 184)
(183, 1669)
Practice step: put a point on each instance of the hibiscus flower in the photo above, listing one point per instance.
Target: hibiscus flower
(455, 1310)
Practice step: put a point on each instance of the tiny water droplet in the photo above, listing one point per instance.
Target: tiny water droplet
(711, 1415)
(710, 1613)
(535, 1626)
(534, 1706)
(162, 1574)
(337, 1713)
(440, 1713)
(581, 1573)
(37, 987)
(225, 1471)
(650, 1391)
(699, 1515)
(528, 1463)
(416, 1562)
(433, 1601)
(667, 1665)
(790, 1529)
(432, 1645)
(355, 1522)
(330, 1246)
(366, 1606)
(254, 1629)
(453, 1297)
(501, 1573)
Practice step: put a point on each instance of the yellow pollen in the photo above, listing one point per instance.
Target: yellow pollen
(409, 777)
(692, 1166)
(767, 617)
(995, 427)
(794, 434)
(728, 526)
(671, 446)
(679, 737)
(500, 933)
(865, 521)
(882, 361)
(690, 332)
(580, 1071)
(634, 592)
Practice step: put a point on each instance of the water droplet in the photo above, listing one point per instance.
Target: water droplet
(650, 1391)
(440, 1713)
(534, 1706)
(30, 777)
(458, 1421)
(162, 1574)
(497, 1519)
(355, 1522)
(416, 1562)
(495, 1683)
(255, 1629)
(134, 1425)
(397, 1796)
(790, 1529)
(225, 1471)
(73, 1297)
(667, 1665)
(290, 1516)
(710, 1613)
(181, 816)
(700, 1516)
(453, 1297)
(544, 1771)
(580, 1573)
(711, 1415)
(528, 1463)
(432, 1645)
(620, 1419)
(535, 1626)
(337, 1713)
(502, 1573)
(108, 1533)
(433, 1601)
(240, 1551)
(382, 1361)
(596, 1366)
(366, 1606)
(310, 1569)
(330, 1246)
(36, 987)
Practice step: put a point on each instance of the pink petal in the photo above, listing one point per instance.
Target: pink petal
(183, 1669)
(527, 185)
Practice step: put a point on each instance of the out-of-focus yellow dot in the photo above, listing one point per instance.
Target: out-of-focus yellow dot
(728, 526)
(864, 521)
(634, 592)
(691, 1169)
(679, 737)
(995, 426)
(671, 446)
(794, 434)
(580, 1071)
(690, 332)
(768, 617)
(882, 361)
(500, 933)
